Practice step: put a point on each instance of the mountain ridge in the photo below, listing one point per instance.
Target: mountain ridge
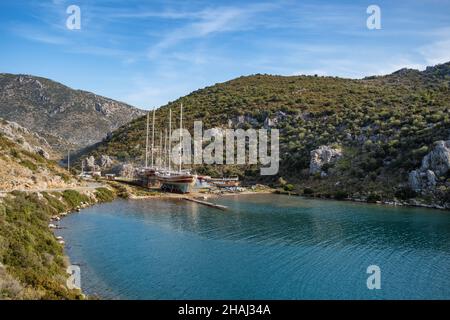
(68, 118)
(385, 125)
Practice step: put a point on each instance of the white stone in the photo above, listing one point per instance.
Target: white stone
(323, 155)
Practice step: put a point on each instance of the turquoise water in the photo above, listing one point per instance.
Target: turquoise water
(264, 247)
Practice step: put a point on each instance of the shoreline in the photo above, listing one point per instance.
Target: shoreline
(173, 196)
(48, 207)
(388, 203)
(392, 203)
(133, 191)
(183, 212)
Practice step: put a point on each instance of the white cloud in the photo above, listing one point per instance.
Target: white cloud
(149, 92)
(32, 34)
(208, 22)
(436, 52)
(153, 14)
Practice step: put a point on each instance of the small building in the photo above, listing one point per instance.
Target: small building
(225, 182)
(85, 175)
(202, 182)
(90, 174)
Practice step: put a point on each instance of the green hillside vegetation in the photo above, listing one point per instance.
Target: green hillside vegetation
(385, 126)
(35, 264)
(32, 263)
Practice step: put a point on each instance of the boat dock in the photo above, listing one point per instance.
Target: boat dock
(206, 203)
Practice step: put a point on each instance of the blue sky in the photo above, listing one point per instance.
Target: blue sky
(147, 53)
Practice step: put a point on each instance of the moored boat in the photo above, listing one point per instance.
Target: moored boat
(170, 180)
(176, 181)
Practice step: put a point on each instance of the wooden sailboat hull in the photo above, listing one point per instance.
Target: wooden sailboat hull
(177, 183)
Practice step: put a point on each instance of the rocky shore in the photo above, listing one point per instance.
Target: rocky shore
(37, 214)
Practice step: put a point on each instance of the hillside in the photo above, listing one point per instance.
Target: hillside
(63, 116)
(34, 191)
(28, 140)
(32, 263)
(25, 163)
(383, 125)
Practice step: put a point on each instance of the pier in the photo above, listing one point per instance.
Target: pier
(206, 203)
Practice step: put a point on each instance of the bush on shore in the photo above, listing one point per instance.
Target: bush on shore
(341, 195)
(373, 197)
(104, 195)
(74, 198)
(32, 262)
(31, 259)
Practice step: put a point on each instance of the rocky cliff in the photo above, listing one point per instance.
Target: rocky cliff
(30, 141)
(324, 155)
(432, 178)
(24, 164)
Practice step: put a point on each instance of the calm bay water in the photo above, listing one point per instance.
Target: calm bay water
(264, 247)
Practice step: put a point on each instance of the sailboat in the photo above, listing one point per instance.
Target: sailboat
(147, 173)
(180, 181)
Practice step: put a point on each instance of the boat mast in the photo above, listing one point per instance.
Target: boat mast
(170, 134)
(160, 149)
(153, 137)
(146, 143)
(181, 133)
(165, 149)
(163, 163)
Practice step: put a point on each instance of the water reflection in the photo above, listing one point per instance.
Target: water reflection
(265, 246)
(296, 221)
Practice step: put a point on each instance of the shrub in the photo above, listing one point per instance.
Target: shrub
(308, 191)
(32, 256)
(123, 156)
(15, 153)
(65, 177)
(327, 166)
(74, 198)
(405, 193)
(373, 197)
(57, 205)
(445, 196)
(104, 195)
(288, 187)
(340, 195)
(28, 164)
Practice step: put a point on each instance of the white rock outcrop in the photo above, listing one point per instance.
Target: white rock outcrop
(28, 140)
(321, 156)
(105, 161)
(435, 164)
(101, 163)
(124, 170)
(420, 180)
(89, 164)
(438, 160)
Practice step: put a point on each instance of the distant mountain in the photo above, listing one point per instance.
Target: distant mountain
(65, 117)
(431, 77)
(380, 128)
